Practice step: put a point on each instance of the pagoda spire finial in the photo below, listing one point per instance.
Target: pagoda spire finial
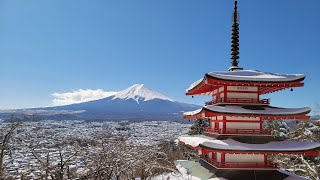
(235, 39)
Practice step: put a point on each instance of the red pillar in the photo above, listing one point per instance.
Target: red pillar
(260, 123)
(225, 93)
(265, 160)
(224, 124)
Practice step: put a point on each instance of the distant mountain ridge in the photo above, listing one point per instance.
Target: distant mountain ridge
(137, 102)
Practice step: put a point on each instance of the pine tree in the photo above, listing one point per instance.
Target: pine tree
(197, 127)
(279, 129)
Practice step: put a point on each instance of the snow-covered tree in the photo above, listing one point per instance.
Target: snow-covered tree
(117, 158)
(197, 127)
(279, 129)
(302, 165)
(308, 131)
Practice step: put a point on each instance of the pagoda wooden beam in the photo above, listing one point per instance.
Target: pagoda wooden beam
(267, 152)
(208, 114)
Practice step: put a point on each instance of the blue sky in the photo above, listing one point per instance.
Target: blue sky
(60, 46)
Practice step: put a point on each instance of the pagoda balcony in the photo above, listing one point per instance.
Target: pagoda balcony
(239, 165)
(264, 132)
(239, 101)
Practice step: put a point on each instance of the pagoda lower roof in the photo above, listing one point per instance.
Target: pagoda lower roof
(230, 145)
(257, 111)
(273, 82)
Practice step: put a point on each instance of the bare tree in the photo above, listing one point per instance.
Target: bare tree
(6, 135)
(118, 158)
(55, 168)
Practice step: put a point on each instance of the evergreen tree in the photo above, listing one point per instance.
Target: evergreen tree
(197, 127)
(279, 129)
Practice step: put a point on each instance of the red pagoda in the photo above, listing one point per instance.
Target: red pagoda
(236, 138)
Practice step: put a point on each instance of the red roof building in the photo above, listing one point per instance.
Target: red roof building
(237, 111)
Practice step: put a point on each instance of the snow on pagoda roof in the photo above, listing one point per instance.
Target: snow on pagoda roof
(196, 140)
(193, 85)
(255, 75)
(266, 110)
(232, 145)
(250, 76)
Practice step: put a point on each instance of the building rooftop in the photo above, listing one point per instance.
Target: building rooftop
(233, 146)
(245, 78)
(250, 110)
(255, 75)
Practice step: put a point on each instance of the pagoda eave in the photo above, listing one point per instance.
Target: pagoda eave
(206, 145)
(309, 152)
(205, 150)
(208, 84)
(205, 112)
(265, 81)
(240, 166)
(263, 117)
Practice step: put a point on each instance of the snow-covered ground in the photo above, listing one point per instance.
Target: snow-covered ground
(45, 134)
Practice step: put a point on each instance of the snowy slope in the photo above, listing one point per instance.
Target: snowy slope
(139, 92)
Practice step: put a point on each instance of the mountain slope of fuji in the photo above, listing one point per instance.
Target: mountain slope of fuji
(136, 102)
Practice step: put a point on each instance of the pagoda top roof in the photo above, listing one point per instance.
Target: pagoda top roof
(245, 77)
(233, 146)
(255, 75)
(212, 110)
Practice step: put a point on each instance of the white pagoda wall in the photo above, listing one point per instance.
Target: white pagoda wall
(248, 92)
(239, 118)
(212, 125)
(255, 124)
(242, 125)
(242, 92)
(255, 158)
(218, 93)
(242, 88)
(218, 157)
(221, 125)
(242, 95)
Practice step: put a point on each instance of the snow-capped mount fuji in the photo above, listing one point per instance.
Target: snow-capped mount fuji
(139, 92)
(137, 102)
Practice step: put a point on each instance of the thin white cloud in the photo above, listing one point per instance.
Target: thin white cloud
(79, 96)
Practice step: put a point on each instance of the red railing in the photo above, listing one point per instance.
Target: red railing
(241, 165)
(239, 100)
(238, 131)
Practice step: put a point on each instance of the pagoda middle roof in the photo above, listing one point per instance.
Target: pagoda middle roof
(232, 145)
(212, 110)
